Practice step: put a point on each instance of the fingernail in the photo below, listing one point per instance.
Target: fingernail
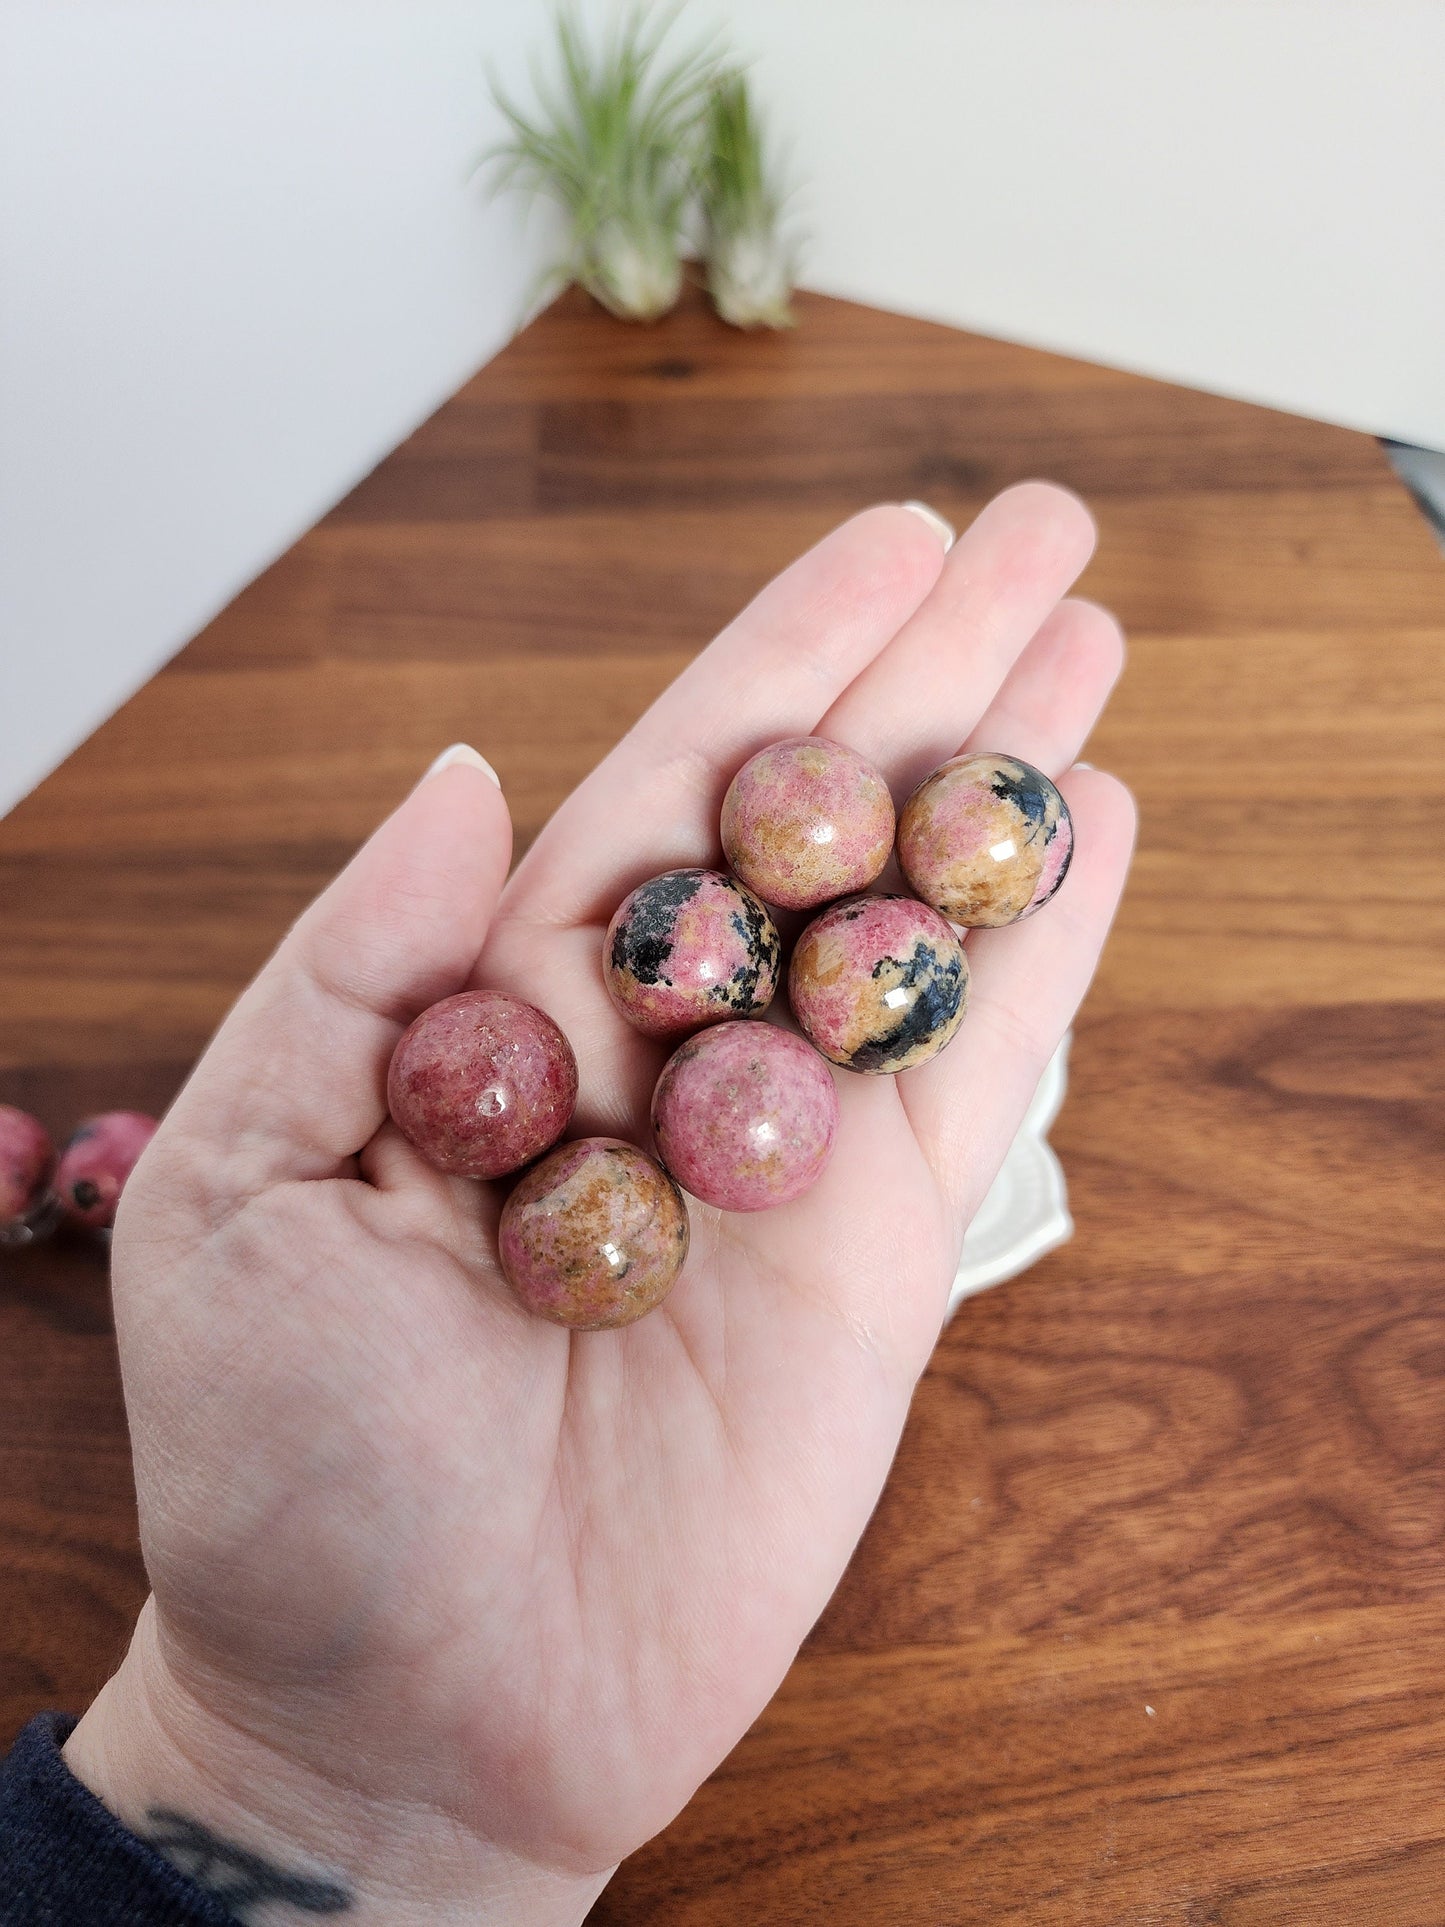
(1083, 765)
(462, 753)
(941, 528)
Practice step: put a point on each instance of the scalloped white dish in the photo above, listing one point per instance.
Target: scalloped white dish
(1026, 1210)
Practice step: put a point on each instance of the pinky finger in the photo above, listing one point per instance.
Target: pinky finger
(1027, 983)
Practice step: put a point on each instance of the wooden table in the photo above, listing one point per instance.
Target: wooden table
(1150, 1624)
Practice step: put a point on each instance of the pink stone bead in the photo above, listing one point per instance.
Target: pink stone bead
(481, 1083)
(593, 1236)
(807, 820)
(985, 839)
(27, 1159)
(745, 1116)
(96, 1163)
(879, 983)
(688, 948)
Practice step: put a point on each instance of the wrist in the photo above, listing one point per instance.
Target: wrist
(252, 1825)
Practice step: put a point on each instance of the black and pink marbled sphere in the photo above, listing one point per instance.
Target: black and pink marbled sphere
(594, 1236)
(96, 1162)
(688, 948)
(745, 1116)
(27, 1159)
(879, 983)
(986, 839)
(807, 820)
(482, 1083)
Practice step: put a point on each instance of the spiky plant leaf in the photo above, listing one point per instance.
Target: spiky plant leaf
(614, 139)
(751, 262)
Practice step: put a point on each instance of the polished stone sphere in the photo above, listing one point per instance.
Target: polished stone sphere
(98, 1158)
(593, 1236)
(807, 820)
(878, 983)
(745, 1116)
(985, 839)
(688, 948)
(27, 1159)
(482, 1083)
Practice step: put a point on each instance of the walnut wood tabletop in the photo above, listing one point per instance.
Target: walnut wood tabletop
(1150, 1623)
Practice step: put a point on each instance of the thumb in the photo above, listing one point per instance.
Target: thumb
(294, 1082)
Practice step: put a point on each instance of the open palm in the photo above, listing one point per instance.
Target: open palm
(522, 1585)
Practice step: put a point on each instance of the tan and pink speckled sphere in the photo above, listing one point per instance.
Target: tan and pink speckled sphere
(688, 948)
(807, 820)
(593, 1236)
(879, 983)
(27, 1159)
(745, 1116)
(482, 1083)
(985, 839)
(96, 1162)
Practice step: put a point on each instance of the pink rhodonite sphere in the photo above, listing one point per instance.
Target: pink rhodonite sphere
(481, 1083)
(745, 1116)
(807, 820)
(27, 1159)
(593, 1236)
(879, 983)
(96, 1162)
(690, 947)
(986, 839)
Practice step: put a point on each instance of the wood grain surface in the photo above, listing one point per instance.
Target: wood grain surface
(1150, 1624)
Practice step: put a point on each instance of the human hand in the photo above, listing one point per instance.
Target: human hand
(454, 1608)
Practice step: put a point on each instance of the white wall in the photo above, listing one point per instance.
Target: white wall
(241, 257)
(1245, 195)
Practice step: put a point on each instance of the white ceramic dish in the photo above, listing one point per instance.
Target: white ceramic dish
(1026, 1211)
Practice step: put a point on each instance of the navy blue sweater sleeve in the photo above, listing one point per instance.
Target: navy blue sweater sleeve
(66, 1861)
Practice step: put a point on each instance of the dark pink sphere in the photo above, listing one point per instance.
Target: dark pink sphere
(745, 1116)
(482, 1083)
(27, 1158)
(96, 1162)
(594, 1236)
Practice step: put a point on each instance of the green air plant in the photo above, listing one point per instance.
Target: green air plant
(614, 139)
(751, 262)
